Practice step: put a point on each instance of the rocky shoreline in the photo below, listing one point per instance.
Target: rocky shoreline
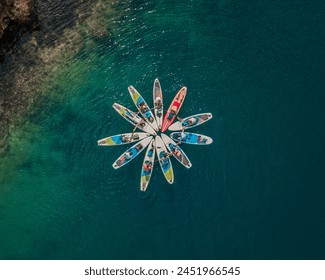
(16, 18)
(46, 40)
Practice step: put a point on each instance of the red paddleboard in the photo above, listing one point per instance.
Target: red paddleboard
(174, 108)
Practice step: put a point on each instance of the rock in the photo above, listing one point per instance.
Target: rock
(21, 10)
(16, 17)
(39, 56)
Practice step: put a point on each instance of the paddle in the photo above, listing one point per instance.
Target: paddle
(139, 111)
(167, 156)
(135, 127)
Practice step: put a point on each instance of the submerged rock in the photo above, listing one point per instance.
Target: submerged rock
(22, 10)
(28, 70)
(16, 17)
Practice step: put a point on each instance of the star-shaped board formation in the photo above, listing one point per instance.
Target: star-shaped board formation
(152, 121)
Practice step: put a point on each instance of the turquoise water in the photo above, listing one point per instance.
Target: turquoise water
(255, 193)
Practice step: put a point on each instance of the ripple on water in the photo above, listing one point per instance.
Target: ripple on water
(78, 195)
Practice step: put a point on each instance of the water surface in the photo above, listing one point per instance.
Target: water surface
(255, 193)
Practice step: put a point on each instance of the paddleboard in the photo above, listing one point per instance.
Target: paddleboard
(132, 118)
(191, 121)
(132, 153)
(147, 166)
(122, 139)
(178, 153)
(173, 109)
(143, 107)
(192, 138)
(165, 163)
(158, 103)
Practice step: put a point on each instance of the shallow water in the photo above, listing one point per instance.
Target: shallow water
(255, 193)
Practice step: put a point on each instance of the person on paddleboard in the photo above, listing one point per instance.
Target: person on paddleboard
(147, 166)
(201, 140)
(128, 155)
(177, 153)
(158, 102)
(137, 121)
(164, 158)
(143, 108)
(140, 122)
(173, 109)
(181, 135)
(191, 121)
(125, 139)
(172, 112)
(174, 149)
